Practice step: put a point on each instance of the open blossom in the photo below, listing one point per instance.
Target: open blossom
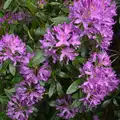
(101, 79)
(61, 42)
(95, 18)
(11, 47)
(29, 92)
(44, 72)
(35, 74)
(16, 110)
(63, 105)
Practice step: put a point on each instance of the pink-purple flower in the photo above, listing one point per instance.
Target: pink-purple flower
(61, 42)
(94, 18)
(100, 79)
(63, 105)
(11, 47)
(30, 92)
(16, 110)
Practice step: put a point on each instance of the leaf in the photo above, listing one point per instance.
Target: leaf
(12, 69)
(115, 102)
(3, 99)
(52, 103)
(32, 7)
(106, 103)
(37, 59)
(60, 19)
(73, 87)
(10, 92)
(59, 89)
(6, 4)
(75, 104)
(55, 117)
(63, 75)
(40, 31)
(16, 79)
(29, 49)
(52, 89)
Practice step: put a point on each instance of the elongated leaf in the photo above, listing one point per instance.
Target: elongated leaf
(37, 59)
(73, 87)
(60, 19)
(52, 89)
(59, 89)
(6, 4)
(10, 92)
(12, 69)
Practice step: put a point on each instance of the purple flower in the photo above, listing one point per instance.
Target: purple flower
(44, 72)
(94, 18)
(29, 92)
(41, 2)
(35, 74)
(101, 79)
(63, 105)
(62, 38)
(95, 117)
(16, 110)
(11, 47)
(68, 53)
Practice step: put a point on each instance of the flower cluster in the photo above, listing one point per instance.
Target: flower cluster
(61, 42)
(29, 91)
(17, 110)
(63, 105)
(34, 74)
(12, 17)
(95, 19)
(11, 47)
(101, 79)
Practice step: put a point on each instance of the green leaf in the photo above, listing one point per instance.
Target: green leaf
(37, 59)
(55, 117)
(73, 87)
(52, 89)
(6, 4)
(59, 89)
(115, 102)
(16, 79)
(40, 31)
(60, 19)
(29, 49)
(63, 75)
(3, 99)
(12, 69)
(10, 92)
(32, 7)
(106, 103)
(52, 103)
(76, 103)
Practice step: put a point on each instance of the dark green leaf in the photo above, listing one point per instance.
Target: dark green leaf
(6, 4)
(76, 103)
(52, 89)
(73, 87)
(12, 69)
(52, 103)
(59, 89)
(10, 92)
(37, 59)
(29, 49)
(3, 99)
(60, 19)
(106, 103)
